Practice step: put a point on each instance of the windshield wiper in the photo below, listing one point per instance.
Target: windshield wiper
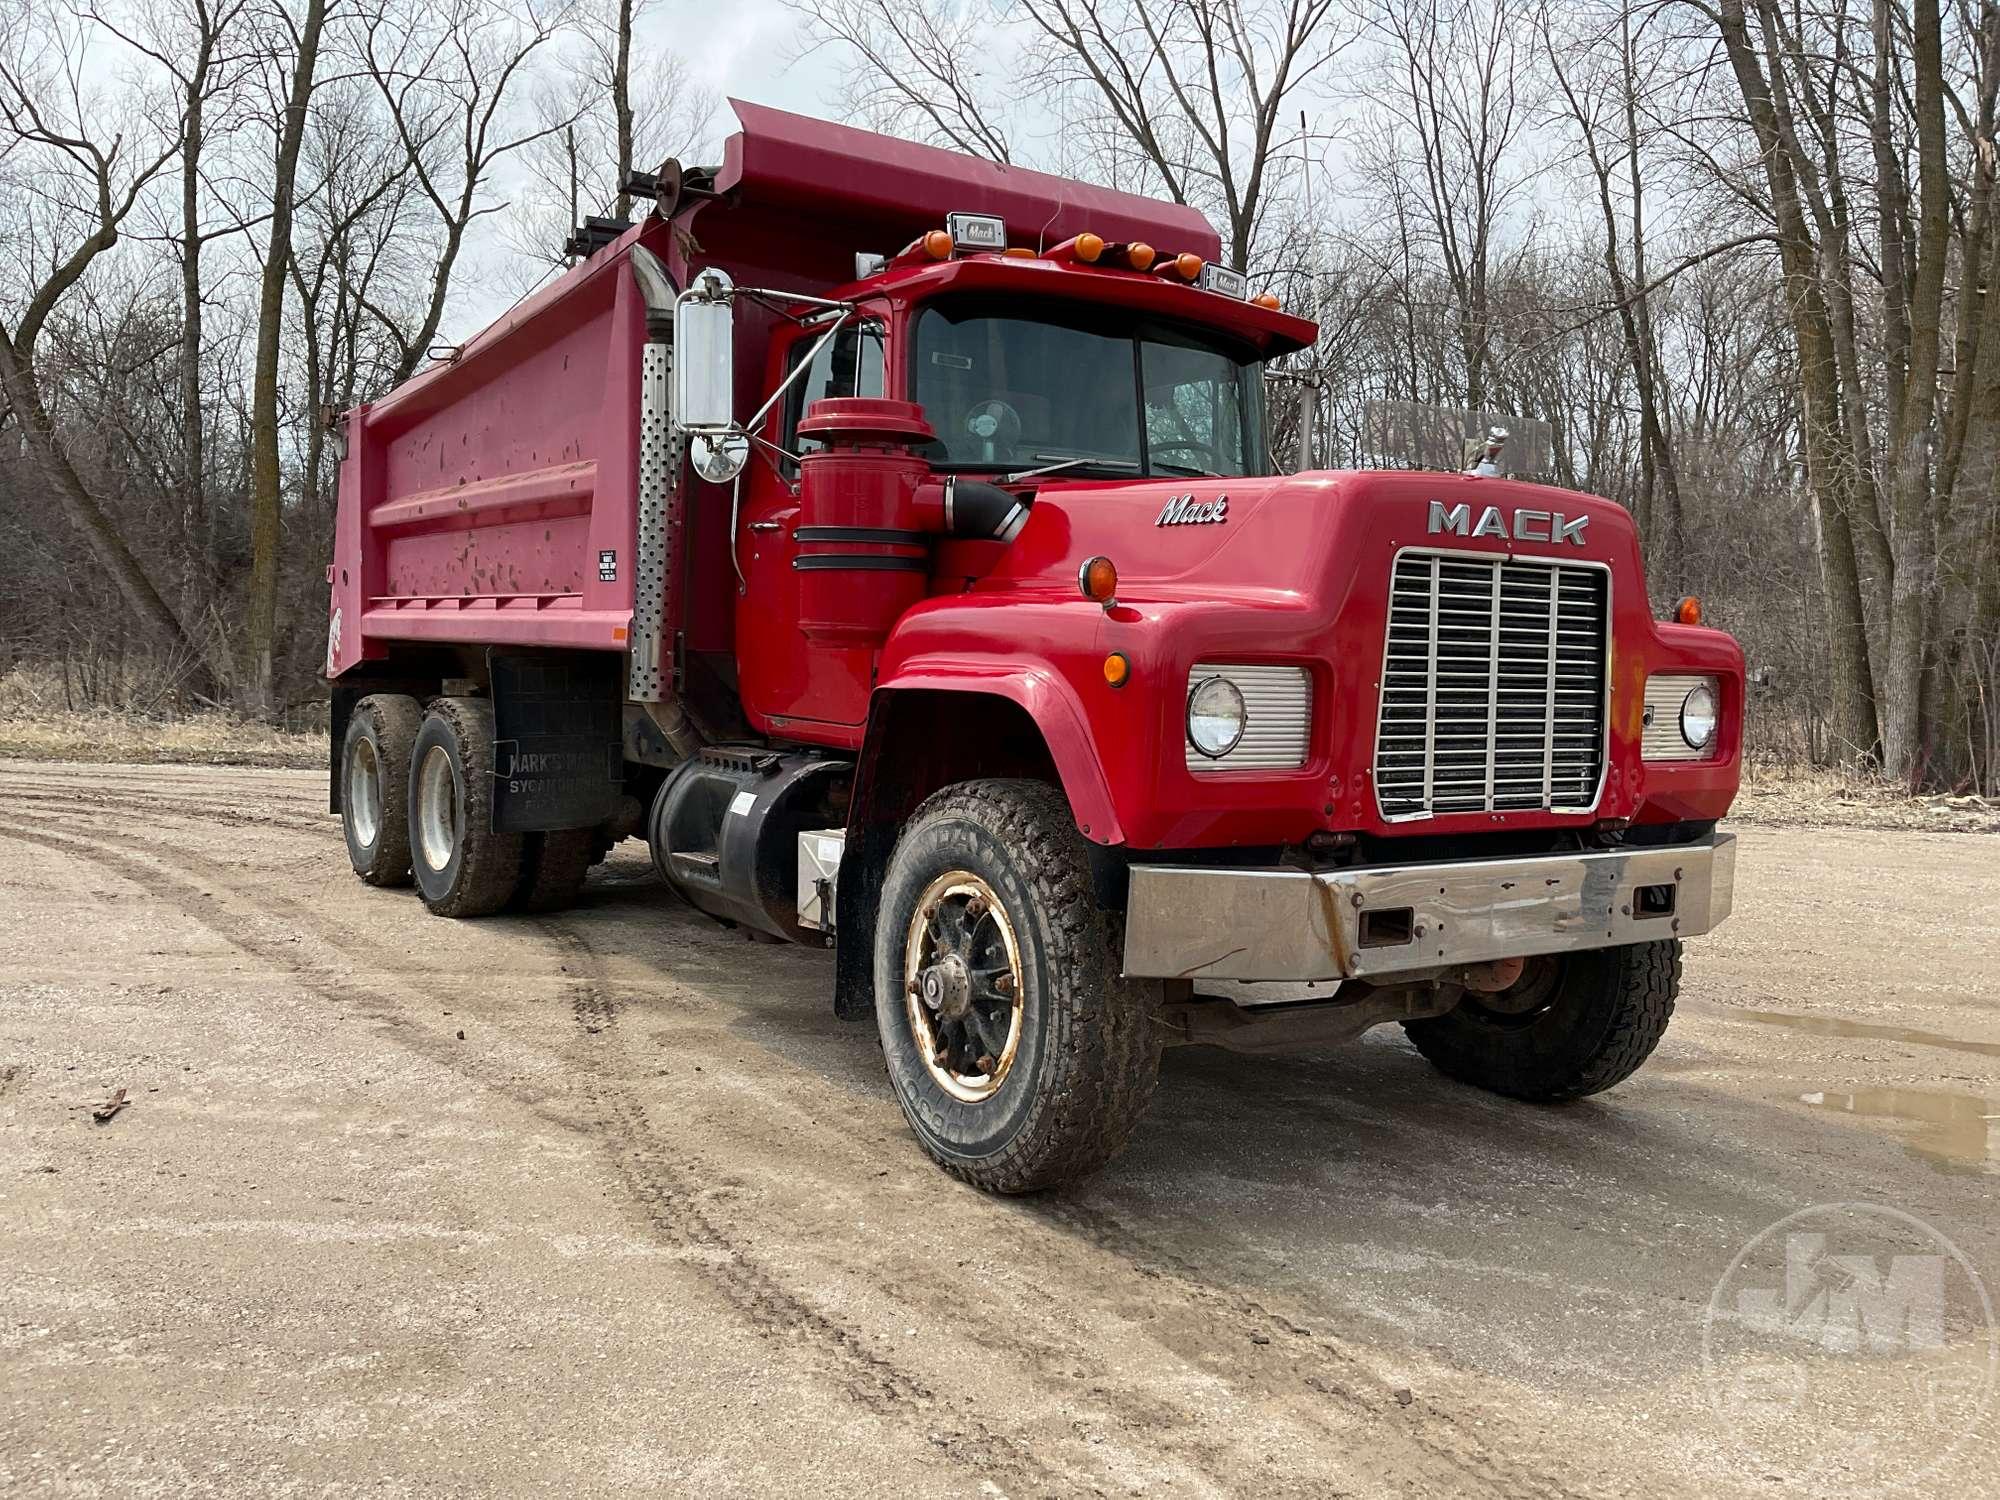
(1062, 465)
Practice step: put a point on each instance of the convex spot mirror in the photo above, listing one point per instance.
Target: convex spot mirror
(719, 456)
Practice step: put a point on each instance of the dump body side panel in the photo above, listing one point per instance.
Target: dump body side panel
(490, 500)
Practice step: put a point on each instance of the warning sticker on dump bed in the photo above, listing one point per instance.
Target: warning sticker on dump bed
(607, 566)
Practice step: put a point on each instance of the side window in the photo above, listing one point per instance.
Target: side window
(1194, 409)
(850, 364)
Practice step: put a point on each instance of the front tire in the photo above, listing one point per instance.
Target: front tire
(1020, 1057)
(374, 782)
(463, 868)
(1571, 1025)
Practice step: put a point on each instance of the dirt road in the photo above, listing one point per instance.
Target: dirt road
(611, 1200)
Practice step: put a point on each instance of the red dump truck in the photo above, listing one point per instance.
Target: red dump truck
(891, 539)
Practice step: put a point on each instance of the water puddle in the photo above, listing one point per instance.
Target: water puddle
(1955, 1132)
(1835, 1026)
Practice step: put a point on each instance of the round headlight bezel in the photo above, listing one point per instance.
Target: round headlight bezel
(1707, 712)
(1215, 747)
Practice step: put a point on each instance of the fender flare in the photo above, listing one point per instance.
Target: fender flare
(1049, 700)
(1051, 705)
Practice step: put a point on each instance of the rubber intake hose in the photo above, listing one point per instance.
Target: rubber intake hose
(974, 508)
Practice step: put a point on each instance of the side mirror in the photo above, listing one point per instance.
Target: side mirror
(704, 355)
(705, 377)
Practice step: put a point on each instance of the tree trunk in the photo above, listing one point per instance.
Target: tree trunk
(266, 502)
(1911, 544)
(195, 529)
(621, 105)
(1829, 456)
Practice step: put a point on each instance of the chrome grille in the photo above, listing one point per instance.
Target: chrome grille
(1277, 723)
(1493, 686)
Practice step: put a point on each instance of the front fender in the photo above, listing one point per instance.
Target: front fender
(1042, 692)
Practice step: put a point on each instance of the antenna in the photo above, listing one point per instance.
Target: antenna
(1310, 387)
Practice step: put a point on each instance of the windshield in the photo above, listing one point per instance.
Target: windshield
(1102, 392)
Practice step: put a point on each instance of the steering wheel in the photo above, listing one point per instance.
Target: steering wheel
(1207, 451)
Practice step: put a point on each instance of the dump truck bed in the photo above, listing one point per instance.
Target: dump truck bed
(490, 500)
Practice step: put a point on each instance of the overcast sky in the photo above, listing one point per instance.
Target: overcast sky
(743, 49)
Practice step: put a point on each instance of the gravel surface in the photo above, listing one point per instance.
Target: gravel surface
(611, 1201)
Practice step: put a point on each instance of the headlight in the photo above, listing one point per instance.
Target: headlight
(1216, 717)
(1681, 716)
(1698, 717)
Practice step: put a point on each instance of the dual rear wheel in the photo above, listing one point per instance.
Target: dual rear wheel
(416, 801)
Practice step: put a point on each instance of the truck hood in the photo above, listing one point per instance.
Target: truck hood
(1294, 535)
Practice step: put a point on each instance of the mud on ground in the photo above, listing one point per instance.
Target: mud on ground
(611, 1199)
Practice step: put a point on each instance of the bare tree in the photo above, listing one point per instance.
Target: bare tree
(1448, 112)
(76, 192)
(294, 72)
(1613, 86)
(923, 68)
(453, 77)
(607, 110)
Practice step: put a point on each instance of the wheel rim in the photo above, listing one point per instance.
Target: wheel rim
(364, 792)
(962, 986)
(437, 808)
(1522, 1003)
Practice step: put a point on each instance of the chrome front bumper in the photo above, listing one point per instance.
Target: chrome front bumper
(1372, 921)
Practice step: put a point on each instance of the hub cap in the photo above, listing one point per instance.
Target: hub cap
(1523, 1001)
(962, 986)
(364, 792)
(437, 809)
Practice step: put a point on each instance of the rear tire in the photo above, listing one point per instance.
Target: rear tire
(463, 868)
(374, 783)
(1018, 1085)
(553, 866)
(1570, 1026)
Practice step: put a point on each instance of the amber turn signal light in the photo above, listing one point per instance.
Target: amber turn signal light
(1117, 669)
(1139, 255)
(1098, 580)
(1688, 610)
(937, 245)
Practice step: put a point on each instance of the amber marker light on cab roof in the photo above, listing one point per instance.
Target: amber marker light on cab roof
(1139, 255)
(937, 245)
(1186, 265)
(1266, 300)
(1117, 669)
(1089, 247)
(1688, 610)
(1097, 579)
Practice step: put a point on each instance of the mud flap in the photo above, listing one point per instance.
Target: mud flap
(558, 756)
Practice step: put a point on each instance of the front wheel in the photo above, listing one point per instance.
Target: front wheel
(1020, 1057)
(1572, 1024)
